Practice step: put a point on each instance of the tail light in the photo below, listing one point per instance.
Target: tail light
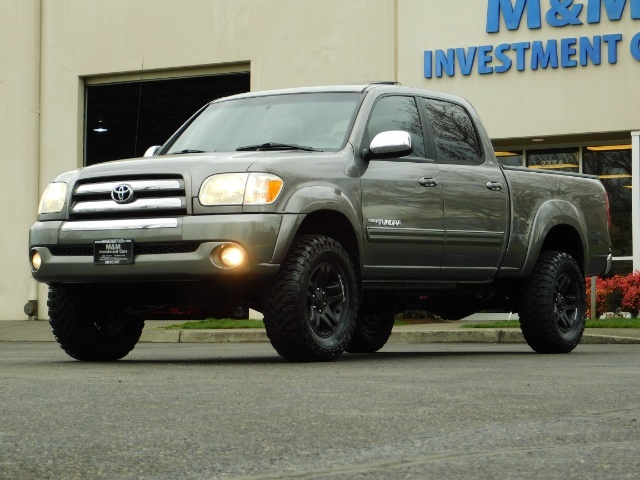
(606, 202)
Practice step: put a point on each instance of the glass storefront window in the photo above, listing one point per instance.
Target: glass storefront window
(614, 169)
(620, 267)
(513, 158)
(560, 159)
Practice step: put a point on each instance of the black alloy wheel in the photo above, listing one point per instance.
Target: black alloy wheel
(310, 308)
(552, 304)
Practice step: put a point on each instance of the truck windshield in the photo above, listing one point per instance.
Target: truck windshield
(305, 121)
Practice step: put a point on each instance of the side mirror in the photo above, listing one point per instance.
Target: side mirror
(391, 144)
(151, 151)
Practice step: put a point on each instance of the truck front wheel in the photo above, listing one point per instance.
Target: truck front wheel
(89, 333)
(552, 304)
(310, 308)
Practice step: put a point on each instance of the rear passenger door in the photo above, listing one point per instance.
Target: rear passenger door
(475, 194)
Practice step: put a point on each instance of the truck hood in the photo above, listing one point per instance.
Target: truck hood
(176, 164)
(195, 168)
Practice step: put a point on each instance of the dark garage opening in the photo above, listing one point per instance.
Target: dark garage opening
(124, 119)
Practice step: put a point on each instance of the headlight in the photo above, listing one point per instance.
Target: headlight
(240, 188)
(53, 198)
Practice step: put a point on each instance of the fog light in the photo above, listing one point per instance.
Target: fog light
(231, 256)
(36, 261)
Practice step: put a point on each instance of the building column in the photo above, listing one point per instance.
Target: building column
(635, 197)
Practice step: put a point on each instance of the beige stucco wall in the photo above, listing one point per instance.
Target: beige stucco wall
(285, 42)
(49, 48)
(19, 119)
(529, 103)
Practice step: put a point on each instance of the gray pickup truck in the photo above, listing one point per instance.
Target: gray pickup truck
(327, 209)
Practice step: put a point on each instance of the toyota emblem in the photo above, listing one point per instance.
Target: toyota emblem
(122, 193)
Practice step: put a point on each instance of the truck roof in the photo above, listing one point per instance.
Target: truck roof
(355, 88)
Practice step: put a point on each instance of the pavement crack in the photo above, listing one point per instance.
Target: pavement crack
(383, 466)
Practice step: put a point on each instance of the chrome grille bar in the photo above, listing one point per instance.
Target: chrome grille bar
(132, 224)
(142, 204)
(136, 185)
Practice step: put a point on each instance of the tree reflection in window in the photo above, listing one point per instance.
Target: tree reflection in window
(397, 113)
(454, 134)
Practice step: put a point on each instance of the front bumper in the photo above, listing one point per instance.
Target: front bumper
(66, 248)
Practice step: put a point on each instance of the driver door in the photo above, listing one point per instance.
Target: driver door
(402, 200)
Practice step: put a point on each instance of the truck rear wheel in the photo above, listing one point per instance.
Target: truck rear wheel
(372, 331)
(89, 333)
(552, 304)
(310, 309)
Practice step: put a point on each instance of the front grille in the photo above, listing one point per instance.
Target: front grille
(138, 249)
(139, 197)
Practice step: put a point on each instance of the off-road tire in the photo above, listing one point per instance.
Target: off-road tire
(86, 331)
(372, 332)
(552, 304)
(310, 308)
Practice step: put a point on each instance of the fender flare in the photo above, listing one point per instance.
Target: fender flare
(308, 200)
(551, 214)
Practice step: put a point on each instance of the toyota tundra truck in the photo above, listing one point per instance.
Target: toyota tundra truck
(328, 209)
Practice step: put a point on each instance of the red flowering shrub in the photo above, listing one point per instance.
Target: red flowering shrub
(616, 292)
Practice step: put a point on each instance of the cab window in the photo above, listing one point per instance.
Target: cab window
(454, 134)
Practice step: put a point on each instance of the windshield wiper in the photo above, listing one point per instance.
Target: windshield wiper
(186, 150)
(276, 146)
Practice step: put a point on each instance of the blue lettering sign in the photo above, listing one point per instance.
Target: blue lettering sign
(513, 14)
(501, 56)
(445, 61)
(428, 64)
(614, 10)
(484, 59)
(521, 52)
(635, 46)
(555, 53)
(541, 57)
(567, 52)
(560, 14)
(563, 13)
(590, 50)
(612, 42)
(465, 59)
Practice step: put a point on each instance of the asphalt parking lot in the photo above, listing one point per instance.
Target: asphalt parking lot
(197, 410)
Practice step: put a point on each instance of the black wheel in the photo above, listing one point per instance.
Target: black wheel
(310, 308)
(373, 329)
(87, 332)
(552, 304)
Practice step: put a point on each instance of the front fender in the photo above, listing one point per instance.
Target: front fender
(307, 201)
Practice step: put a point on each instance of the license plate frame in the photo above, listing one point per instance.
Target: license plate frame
(113, 251)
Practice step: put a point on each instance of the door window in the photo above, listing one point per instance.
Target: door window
(455, 137)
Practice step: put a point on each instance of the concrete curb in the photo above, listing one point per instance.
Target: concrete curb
(608, 339)
(401, 336)
(36, 331)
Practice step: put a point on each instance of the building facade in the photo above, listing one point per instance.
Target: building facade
(86, 81)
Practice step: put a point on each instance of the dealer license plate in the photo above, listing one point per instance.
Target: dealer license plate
(113, 251)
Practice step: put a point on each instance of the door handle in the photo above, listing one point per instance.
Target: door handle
(428, 182)
(495, 186)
